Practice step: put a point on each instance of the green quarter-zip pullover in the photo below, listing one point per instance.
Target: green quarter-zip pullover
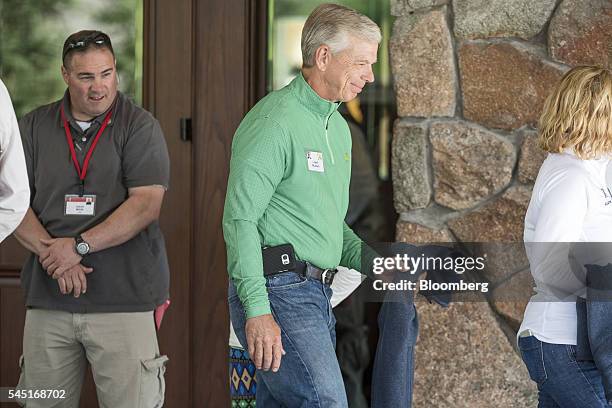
(289, 181)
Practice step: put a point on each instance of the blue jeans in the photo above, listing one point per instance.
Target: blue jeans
(594, 340)
(309, 375)
(562, 381)
(393, 372)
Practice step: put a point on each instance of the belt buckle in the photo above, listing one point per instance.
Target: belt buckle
(325, 277)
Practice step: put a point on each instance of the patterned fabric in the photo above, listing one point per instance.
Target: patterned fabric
(241, 378)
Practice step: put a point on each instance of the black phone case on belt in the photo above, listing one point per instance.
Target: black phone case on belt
(278, 259)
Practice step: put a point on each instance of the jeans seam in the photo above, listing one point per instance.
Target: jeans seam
(543, 365)
(569, 353)
(308, 374)
(577, 366)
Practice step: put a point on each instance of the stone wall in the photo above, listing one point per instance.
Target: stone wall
(470, 78)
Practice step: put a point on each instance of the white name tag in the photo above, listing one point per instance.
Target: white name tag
(77, 205)
(315, 161)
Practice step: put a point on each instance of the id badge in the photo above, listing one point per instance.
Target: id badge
(80, 205)
(315, 161)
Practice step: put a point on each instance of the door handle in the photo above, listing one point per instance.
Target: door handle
(185, 129)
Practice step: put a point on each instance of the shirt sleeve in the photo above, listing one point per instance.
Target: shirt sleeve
(563, 207)
(145, 159)
(356, 254)
(351, 249)
(257, 166)
(14, 186)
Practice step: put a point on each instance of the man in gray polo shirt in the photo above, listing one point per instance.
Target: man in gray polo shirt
(98, 169)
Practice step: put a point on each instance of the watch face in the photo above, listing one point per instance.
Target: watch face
(82, 248)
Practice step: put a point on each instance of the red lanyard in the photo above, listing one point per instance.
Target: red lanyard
(82, 173)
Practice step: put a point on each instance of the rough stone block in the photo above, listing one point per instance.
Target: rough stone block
(413, 233)
(501, 18)
(464, 360)
(499, 221)
(580, 33)
(410, 157)
(469, 163)
(504, 84)
(423, 67)
(401, 7)
(531, 158)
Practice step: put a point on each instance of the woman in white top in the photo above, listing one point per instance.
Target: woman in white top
(570, 204)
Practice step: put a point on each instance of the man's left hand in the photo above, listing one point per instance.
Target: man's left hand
(59, 256)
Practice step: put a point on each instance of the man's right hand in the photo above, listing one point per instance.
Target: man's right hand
(264, 341)
(74, 280)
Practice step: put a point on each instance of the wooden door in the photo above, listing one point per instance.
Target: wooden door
(168, 84)
(230, 71)
(167, 92)
(205, 60)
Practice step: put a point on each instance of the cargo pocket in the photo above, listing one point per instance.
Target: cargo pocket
(21, 385)
(152, 383)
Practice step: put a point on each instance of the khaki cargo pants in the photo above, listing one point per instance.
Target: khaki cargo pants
(120, 347)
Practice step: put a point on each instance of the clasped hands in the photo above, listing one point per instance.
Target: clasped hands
(61, 261)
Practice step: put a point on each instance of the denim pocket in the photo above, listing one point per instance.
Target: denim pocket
(533, 357)
(284, 281)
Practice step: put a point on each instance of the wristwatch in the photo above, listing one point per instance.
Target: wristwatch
(82, 248)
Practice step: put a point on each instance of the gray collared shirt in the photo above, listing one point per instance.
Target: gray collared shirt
(131, 152)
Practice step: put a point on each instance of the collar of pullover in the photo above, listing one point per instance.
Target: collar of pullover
(309, 98)
(601, 160)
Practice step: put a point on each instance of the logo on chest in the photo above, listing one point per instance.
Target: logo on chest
(607, 195)
(315, 161)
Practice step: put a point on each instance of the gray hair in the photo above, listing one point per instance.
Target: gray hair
(331, 24)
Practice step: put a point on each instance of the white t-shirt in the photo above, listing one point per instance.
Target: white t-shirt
(571, 203)
(83, 125)
(14, 185)
(345, 282)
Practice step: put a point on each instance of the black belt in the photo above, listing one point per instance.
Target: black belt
(307, 270)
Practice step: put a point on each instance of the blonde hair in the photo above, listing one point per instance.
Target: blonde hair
(578, 114)
(331, 24)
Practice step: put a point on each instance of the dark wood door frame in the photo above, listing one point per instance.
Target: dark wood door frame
(230, 38)
(168, 93)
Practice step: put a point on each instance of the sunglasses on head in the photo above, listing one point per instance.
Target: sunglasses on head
(98, 39)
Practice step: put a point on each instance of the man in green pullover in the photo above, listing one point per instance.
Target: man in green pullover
(289, 183)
